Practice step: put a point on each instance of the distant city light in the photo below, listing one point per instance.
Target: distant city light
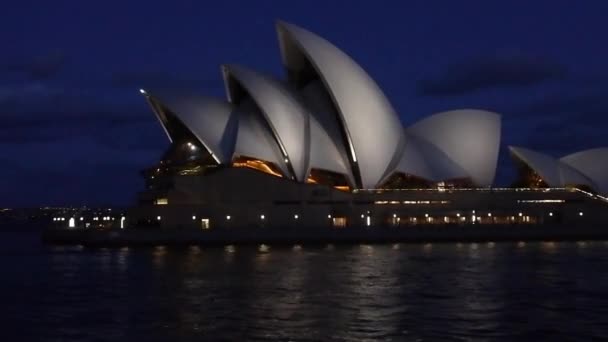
(142, 91)
(158, 218)
(193, 217)
(550, 214)
(262, 217)
(295, 216)
(228, 217)
(580, 213)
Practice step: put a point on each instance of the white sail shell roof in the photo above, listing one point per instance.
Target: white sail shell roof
(551, 170)
(210, 120)
(373, 131)
(592, 163)
(287, 119)
(254, 139)
(327, 150)
(469, 137)
(424, 160)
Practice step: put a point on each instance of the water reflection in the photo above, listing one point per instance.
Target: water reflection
(362, 292)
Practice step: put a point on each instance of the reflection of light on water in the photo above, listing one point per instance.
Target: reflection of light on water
(521, 244)
(263, 248)
(297, 248)
(229, 249)
(491, 244)
(459, 245)
(367, 248)
(122, 258)
(396, 246)
(581, 244)
(329, 247)
(159, 255)
(548, 246)
(474, 246)
(195, 250)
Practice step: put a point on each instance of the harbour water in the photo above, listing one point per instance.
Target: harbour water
(461, 291)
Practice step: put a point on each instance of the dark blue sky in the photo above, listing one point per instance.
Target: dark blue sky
(74, 129)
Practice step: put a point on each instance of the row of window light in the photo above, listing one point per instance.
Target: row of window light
(296, 216)
(104, 218)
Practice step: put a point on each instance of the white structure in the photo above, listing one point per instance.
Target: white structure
(470, 138)
(589, 168)
(593, 164)
(328, 116)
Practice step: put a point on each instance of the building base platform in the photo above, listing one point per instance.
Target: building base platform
(368, 235)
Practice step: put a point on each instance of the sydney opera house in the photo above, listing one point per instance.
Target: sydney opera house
(323, 147)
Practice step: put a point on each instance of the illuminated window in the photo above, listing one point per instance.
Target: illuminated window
(72, 222)
(161, 201)
(122, 222)
(368, 221)
(205, 223)
(339, 222)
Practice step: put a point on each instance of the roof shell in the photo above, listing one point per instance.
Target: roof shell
(592, 163)
(551, 170)
(212, 121)
(254, 139)
(287, 119)
(424, 160)
(469, 137)
(372, 130)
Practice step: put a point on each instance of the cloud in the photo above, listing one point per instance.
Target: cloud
(491, 72)
(38, 68)
(587, 106)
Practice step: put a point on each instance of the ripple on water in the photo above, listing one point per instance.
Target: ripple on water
(368, 292)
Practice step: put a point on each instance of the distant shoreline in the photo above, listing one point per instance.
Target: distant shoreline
(291, 236)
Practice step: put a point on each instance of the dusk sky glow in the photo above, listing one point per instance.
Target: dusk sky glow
(75, 130)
